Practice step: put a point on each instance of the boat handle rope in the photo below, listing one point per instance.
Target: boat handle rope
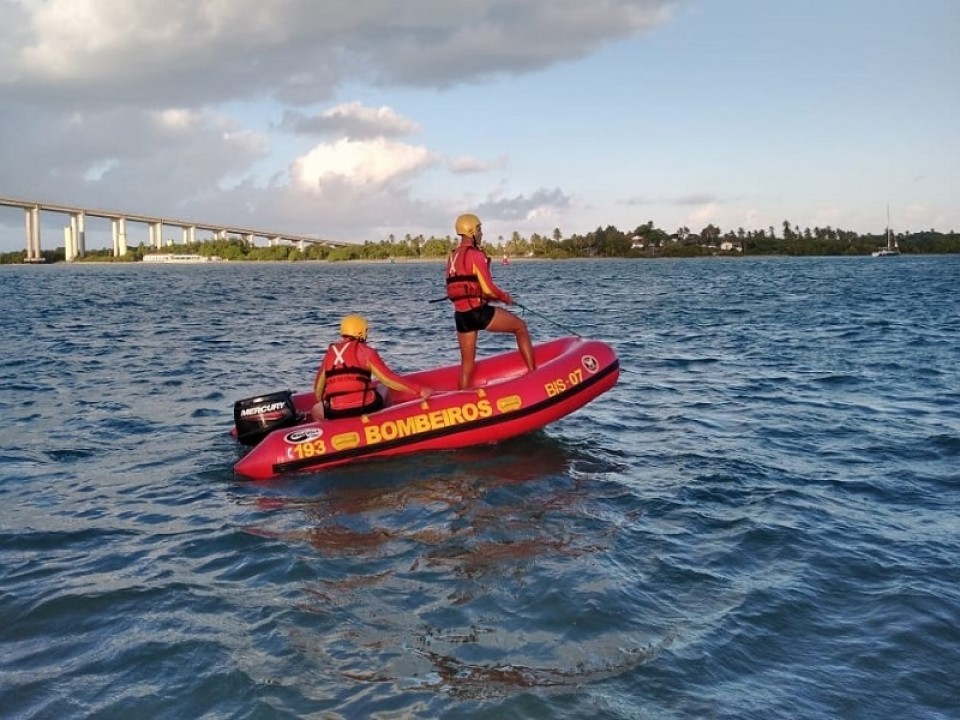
(544, 317)
(532, 312)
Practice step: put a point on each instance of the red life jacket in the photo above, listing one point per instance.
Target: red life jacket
(347, 385)
(463, 286)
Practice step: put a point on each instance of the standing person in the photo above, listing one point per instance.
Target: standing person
(343, 383)
(471, 288)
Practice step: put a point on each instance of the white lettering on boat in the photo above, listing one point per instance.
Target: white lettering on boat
(262, 409)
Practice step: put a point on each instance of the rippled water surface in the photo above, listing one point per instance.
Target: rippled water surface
(761, 520)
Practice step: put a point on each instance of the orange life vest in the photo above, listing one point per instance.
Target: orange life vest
(347, 385)
(463, 287)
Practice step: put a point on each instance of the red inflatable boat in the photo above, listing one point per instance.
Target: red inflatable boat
(508, 401)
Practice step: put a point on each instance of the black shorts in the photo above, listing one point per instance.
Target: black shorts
(475, 319)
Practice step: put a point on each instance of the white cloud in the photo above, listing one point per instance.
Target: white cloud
(177, 118)
(144, 105)
(148, 105)
(141, 161)
(233, 108)
(364, 162)
(192, 51)
(542, 203)
(703, 215)
(353, 120)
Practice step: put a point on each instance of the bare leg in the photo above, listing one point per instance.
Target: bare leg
(468, 356)
(317, 411)
(506, 321)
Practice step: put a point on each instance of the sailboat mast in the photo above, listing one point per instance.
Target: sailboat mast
(891, 248)
(889, 232)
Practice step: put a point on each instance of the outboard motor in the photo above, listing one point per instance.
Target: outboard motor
(257, 417)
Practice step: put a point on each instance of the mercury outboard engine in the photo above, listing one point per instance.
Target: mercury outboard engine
(257, 417)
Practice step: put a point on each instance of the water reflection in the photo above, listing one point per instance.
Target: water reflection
(476, 681)
(432, 570)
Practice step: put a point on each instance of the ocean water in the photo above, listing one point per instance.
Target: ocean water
(761, 520)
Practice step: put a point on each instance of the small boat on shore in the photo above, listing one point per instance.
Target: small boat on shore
(181, 258)
(508, 401)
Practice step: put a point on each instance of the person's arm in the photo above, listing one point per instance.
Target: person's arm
(481, 268)
(384, 374)
(319, 383)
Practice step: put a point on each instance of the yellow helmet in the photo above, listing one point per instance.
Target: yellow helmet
(468, 225)
(354, 326)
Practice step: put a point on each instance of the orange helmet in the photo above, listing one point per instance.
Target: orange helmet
(468, 225)
(354, 326)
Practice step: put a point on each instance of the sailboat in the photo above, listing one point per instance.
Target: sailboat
(892, 248)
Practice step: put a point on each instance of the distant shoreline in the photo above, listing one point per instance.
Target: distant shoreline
(438, 260)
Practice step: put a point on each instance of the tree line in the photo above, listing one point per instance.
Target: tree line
(644, 241)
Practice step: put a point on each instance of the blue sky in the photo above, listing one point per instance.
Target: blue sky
(356, 120)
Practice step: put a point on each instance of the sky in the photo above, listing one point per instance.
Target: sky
(354, 120)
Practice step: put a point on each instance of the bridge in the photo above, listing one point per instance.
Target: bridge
(74, 233)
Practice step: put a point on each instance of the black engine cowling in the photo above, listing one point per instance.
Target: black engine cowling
(257, 417)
